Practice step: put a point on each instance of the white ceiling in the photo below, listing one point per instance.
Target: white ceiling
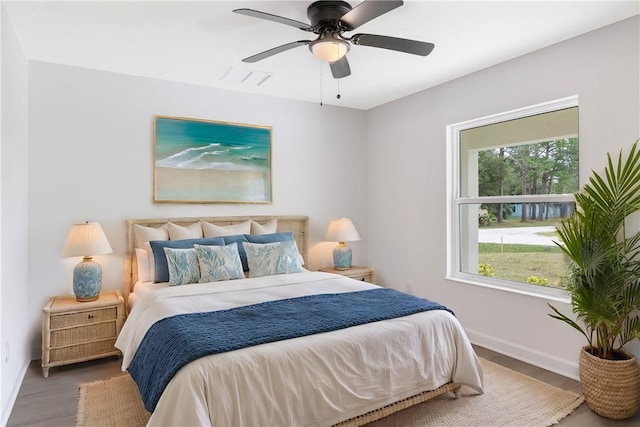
(200, 42)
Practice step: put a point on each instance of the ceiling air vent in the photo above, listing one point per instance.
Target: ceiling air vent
(245, 76)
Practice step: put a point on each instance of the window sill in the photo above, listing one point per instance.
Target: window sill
(546, 293)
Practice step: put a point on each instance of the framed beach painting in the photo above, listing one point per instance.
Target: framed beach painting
(205, 161)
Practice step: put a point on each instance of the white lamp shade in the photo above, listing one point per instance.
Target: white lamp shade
(85, 240)
(341, 230)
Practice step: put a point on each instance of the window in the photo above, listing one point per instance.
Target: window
(511, 180)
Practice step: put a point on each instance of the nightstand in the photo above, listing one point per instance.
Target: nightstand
(364, 274)
(74, 331)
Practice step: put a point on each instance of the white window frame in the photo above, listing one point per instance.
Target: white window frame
(455, 201)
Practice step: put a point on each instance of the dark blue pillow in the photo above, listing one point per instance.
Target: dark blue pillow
(160, 258)
(238, 238)
(269, 238)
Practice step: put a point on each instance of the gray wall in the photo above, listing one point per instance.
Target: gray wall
(14, 349)
(406, 147)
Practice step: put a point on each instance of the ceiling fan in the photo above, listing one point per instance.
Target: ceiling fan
(330, 20)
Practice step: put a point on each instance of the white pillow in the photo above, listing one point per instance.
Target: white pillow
(143, 234)
(218, 263)
(152, 262)
(213, 230)
(265, 259)
(142, 261)
(183, 266)
(266, 228)
(178, 232)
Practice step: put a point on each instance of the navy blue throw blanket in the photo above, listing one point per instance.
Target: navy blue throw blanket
(175, 341)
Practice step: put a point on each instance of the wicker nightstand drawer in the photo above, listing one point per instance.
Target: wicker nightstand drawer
(75, 331)
(82, 352)
(83, 318)
(71, 336)
(364, 274)
(362, 277)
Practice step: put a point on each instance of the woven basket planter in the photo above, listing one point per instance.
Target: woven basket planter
(611, 387)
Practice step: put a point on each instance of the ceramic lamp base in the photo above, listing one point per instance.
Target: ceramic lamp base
(342, 257)
(87, 280)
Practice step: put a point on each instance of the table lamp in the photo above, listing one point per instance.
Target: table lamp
(341, 230)
(85, 240)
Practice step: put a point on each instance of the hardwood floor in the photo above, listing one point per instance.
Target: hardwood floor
(53, 401)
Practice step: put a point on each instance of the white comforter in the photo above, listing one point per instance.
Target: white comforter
(309, 381)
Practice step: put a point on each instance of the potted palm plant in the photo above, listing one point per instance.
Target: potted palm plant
(603, 282)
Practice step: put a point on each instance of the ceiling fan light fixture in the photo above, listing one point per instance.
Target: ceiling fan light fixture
(329, 49)
(329, 20)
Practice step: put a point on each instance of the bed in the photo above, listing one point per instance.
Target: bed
(349, 375)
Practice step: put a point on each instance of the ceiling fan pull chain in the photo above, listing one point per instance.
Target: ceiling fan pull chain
(321, 85)
(338, 96)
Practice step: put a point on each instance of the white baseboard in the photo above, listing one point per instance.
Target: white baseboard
(6, 411)
(567, 368)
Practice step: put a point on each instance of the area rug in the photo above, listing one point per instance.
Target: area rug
(112, 402)
(510, 399)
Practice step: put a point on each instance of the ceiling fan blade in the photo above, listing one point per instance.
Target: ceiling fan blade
(267, 53)
(274, 18)
(366, 11)
(340, 68)
(393, 43)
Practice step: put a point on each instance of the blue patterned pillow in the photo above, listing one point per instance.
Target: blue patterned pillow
(219, 263)
(238, 238)
(272, 258)
(266, 238)
(161, 271)
(183, 266)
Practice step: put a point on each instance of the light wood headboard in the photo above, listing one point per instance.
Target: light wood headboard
(298, 225)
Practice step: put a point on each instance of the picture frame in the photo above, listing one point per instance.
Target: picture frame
(208, 161)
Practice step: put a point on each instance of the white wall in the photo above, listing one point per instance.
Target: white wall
(14, 351)
(90, 158)
(407, 197)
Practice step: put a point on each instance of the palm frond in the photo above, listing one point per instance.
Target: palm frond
(569, 321)
(604, 283)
